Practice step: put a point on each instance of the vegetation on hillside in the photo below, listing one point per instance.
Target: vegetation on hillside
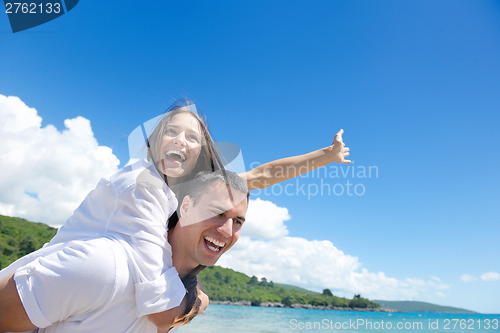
(222, 284)
(19, 237)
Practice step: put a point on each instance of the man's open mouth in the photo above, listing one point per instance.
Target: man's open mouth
(214, 244)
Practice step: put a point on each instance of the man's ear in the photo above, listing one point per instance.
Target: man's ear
(186, 204)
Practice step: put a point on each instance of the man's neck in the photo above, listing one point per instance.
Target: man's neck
(182, 267)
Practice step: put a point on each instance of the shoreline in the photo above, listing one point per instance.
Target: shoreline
(302, 306)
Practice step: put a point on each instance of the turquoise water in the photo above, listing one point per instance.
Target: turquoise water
(230, 318)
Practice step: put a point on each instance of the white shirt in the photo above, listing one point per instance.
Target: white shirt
(81, 286)
(129, 209)
(133, 207)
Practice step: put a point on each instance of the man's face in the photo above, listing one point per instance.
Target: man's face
(209, 225)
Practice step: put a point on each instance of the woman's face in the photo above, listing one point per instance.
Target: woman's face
(180, 146)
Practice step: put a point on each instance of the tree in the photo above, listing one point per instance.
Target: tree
(253, 280)
(288, 300)
(327, 292)
(28, 245)
(360, 302)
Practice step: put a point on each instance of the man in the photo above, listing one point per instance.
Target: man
(86, 286)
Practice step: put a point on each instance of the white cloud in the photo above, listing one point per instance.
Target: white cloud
(312, 264)
(467, 278)
(436, 278)
(46, 173)
(490, 276)
(265, 220)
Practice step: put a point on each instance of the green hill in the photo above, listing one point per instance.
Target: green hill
(415, 306)
(223, 284)
(292, 287)
(19, 237)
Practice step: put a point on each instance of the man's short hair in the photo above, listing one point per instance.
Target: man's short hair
(203, 180)
(196, 187)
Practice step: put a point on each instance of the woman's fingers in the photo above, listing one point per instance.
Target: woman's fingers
(338, 136)
(339, 147)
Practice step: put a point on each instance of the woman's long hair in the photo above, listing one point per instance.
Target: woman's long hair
(208, 160)
(193, 303)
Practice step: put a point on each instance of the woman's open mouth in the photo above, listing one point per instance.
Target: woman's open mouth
(175, 156)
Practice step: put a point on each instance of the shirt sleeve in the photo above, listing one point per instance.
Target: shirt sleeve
(141, 218)
(76, 279)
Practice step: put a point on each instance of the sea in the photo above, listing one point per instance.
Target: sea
(236, 319)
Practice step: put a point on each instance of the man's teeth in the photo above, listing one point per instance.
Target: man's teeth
(215, 241)
(176, 152)
(218, 245)
(215, 249)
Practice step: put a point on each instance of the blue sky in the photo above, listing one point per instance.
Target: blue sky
(414, 84)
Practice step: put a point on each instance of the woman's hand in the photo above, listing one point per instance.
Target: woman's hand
(283, 169)
(338, 151)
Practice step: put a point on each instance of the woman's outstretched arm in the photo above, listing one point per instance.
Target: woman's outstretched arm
(283, 169)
